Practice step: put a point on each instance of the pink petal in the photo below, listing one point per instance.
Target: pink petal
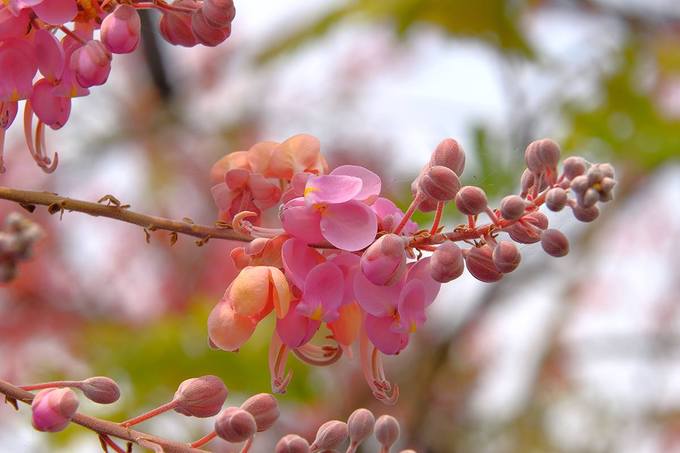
(389, 216)
(331, 189)
(420, 271)
(323, 294)
(52, 110)
(411, 307)
(374, 299)
(296, 329)
(301, 221)
(222, 196)
(56, 12)
(236, 178)
(349, 265)
(299, 260)
(349, 226)
(265, 193)
(50, 55)
(11, 25)
(370, 187)
(379, 331)
(18, 66)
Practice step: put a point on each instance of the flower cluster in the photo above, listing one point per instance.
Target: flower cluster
(343, 256)
(58, 40)
(16, 244)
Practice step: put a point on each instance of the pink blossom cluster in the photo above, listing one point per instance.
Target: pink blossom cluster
(342, 256)
(54, 50)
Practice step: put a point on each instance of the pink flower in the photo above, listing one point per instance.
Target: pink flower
(389, 216)
(244, 191)
(120, 30)
(91, 64)
(19, 66)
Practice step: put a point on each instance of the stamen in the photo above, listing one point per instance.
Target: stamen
(318, 355)
(278, 354)
(374, 372)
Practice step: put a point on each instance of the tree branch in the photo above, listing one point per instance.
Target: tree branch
(55, 203)
(104, 426)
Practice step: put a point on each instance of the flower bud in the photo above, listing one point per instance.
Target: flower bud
(506, 256)
(330, 435)
(556, 199)
(589, 198)
(384, 261)
(594, 175)
(201, 397)
(527, 230)
(176, 27)
(471, 200)
(206, 33)
(526, 182)
(585, 214)
(91, 63)
(449, 154)
(387, 431)
(219, 13)
(554, 243)
(227, 329)
(579, 184)
(447, 263)
(607, 170)
(264, 408)
(360, 425)
(439, 183)
(53, 409)
(235, 425)
(573, 166)
(479, 262)
(605, 189)
(542, 155)
(512, 207)
(120, 30)
(100, 389)
(292, 443)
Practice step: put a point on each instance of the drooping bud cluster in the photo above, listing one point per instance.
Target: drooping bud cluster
(50, 53)
(345, 256)
(16, 244)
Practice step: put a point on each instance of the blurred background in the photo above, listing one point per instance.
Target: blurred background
(577, 354)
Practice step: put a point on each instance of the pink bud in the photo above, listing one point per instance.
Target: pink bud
(542, 155)
(471, 200)
(585, 214)
(264, 408)
(573, 166)
(120, 30)
(292, 443)
(528, 229)
(176, 27)
(447, 263)
(207, 34)
(330, 435)
(439, 183)
(594, 175)
(360, 425)
(526, 182)
(512, 207)
(100, 389)
(52, 110)
(235, 425)
(605, 189)
(579, 184)
(589, 198)
(554, 243)
(91, 63)
(219, 13)
(480, 264)
(449, 154)
(384, 261)
(556, 199)
(201, 397)
(607, 170)
(53, 409)
(506, 256)
(387, 430)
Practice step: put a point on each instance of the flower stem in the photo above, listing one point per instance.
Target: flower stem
(152, 413)
(204, 440)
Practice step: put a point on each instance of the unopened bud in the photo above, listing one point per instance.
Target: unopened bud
(120, 30)
(594, 175)
(201, 397)
(506, 256)
(100, 389)
(605, 189)
(52, 409)
(205, 32)
(528, 229)
(449, 154)
(542, 155)
(447, 263)
(292, 443)
(585, 214)
(512, 207)
(360, 425)
(479, 262)
(526, 182)
(264, 409)
(607, 170)
(330, 435)
(556, 199)
(573, 166)
(175, 27)
(235, 425)
(384, 261)
(439, 183)
(91, 64)
(387, 430)
(589, 198)
(579, 184)
(219, 13)
(554, 243)
(471, 200)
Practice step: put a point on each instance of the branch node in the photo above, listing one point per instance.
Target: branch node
(12, 402)
(173, 237)
(204, 240)
(187, 220)
(147, 236)
(112, 201)
(27, 206)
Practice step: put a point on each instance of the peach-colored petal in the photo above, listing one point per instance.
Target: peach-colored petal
(280, 292)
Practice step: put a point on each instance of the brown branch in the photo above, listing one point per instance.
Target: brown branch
(104, 426)
(55, 203)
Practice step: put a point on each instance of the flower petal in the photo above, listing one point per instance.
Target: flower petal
(411, 307)
(346, 328)
(379, 331)
(56, 12)
(227, 329)
(295, 329)
(420, 271)
(280, 291)
(349, 226)
(331, 189)
(302, 221)
(323, 293)
(374, 299)
(370, 187)
(298, 259)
